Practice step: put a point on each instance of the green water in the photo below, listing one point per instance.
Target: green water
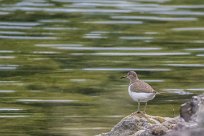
(61, 61)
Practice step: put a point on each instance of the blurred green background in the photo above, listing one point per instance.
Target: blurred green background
(61, 61)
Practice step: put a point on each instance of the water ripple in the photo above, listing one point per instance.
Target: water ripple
(189, 29)
(59, 45)
(6, 91)
(136, 38)
(13, 116)
(132, 54)
(12, 32)
(111, 48)
(34, 4)
(195, 89)
(10, 109)
(177, 91)
(195, 49)
(19, 23)
(111, 22)
(8, 67)
(65, 10)
(126, 69)
(44, 101)
(156, 18)
(7, 57)
(28, 37)
(185, 65)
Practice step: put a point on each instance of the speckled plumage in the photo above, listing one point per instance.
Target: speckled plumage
(140, 86)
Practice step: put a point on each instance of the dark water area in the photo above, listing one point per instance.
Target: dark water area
(61, 61)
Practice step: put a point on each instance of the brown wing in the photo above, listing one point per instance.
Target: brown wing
(140, 86)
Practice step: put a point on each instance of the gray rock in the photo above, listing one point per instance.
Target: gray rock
(194, 120)
(139, 124)
(189, 108)
(189, 123)
(129, 125)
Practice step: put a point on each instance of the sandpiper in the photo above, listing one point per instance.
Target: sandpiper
(138, 90)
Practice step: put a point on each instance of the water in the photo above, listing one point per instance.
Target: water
(61, 61)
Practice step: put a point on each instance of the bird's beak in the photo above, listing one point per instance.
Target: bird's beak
(123, 77)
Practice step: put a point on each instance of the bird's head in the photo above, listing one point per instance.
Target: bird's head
(131, 75)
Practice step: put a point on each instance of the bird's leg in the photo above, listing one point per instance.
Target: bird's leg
(138, 106)
(145, 107)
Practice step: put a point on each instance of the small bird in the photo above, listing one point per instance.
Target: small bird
(138, 90)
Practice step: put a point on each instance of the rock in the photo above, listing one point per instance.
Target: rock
(189, 123)
(129, 125)
(139, 124)
(189, 108)
(194, 120)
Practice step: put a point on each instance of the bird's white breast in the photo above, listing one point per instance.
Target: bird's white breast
(142, 97)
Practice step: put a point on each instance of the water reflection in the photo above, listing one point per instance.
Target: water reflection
(64, 10)
(189, 29)
(15, 27)
(186, 65)
(96, 35)
(177, 91)
(30, 101)
(180, 13)
(4, 13)
(61, 60)
(53, 21)
(195, 49)
(115, 22)
(6, 91)
(45, 52)
(16, 83)
(85, 128)
(110, 116)
(200, 55)
(7, 57)
(28, 37)
(154, 81)
(19, 23)
(195, 89)
(12, 32)
(81, 47)
(133, 54)
(109, 48)
(6, 51)
(8, 67)
(135, 38)
(24, 3)
(13, 116)
(58, 45)
(156, 18)
(78, 80)
(9, 109)
(59, 28)
(126, 69)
